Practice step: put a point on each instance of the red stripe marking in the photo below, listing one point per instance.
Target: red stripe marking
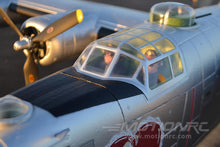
(191, 117)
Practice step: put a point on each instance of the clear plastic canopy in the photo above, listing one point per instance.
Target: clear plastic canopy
(172, 14)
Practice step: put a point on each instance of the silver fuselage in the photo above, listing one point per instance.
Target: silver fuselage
(191, 97)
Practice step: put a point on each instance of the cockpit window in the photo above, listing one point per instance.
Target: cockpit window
(159, 73)
(84, 55)
(99, 61)
(109, 43)
(137, 42)
(164, 45)
(151, 36)
(139, 56)
(138, 31)
(150, 52)
(176, 64)
(127, 48)
(125, 67)
(141, 76)
(123, 37)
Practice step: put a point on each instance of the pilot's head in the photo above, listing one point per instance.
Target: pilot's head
(150, 54)
(108, 57)
(153, 68)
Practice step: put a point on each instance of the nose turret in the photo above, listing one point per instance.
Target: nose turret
(14, 110)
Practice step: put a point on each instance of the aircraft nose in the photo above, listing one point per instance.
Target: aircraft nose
(62, 94)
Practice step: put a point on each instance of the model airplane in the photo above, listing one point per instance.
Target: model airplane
(153, 84)
(101, 20)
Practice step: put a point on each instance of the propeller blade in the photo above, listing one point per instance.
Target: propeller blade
(10, 22)
(60, 26)
(30, 68)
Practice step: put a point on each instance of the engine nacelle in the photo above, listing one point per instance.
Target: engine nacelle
(66, 45)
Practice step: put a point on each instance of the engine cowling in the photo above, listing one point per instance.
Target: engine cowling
(66, 45)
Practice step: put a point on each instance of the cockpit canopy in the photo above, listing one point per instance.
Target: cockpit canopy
(131, 56)
(173, 14)
(108, 61)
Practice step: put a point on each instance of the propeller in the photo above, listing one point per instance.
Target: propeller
(28, 45)
(30, 68)
(10, 23)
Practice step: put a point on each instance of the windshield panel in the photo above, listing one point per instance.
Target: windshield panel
(151, 36)
(150, 52)
(125, 67)
(164, 45)
(99, 61)
(176, 64)
(109, 43)
(138, 31)
(137, 42)
(127, 48)
(123, 37)
(84, 56)
(159, 73)
(141, 76)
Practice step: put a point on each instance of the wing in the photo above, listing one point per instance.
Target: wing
(113, 14)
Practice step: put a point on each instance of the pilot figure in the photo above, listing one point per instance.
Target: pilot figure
(107, 58)
(99, 61)
(155, 77)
